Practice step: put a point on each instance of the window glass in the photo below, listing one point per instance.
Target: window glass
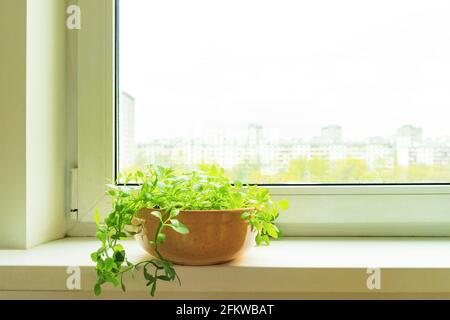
(284, 91)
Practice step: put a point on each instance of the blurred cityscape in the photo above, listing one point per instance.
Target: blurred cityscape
(406, 156)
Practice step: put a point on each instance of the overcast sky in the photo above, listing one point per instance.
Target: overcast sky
(201, 67)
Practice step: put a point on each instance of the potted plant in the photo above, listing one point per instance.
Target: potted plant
(196, 218)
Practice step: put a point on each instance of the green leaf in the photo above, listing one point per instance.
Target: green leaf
(169, 270)
(119, 236)
(101, 235)
(271, 230)
(118, 247)
(213, 170)
(156, 214)
(238, 184)
(161, 238)
(139, 174)
(97, 289)
(147, 196)
(283, 205)
(119, 256)
(153, 290)
(109, 264)
(97, 218)
(262, 195)
(236, 200)
(114, 281)
(94, 256)
(258, 239)
(178, 226)
(164, 278)
(246, 215)
(147, 276)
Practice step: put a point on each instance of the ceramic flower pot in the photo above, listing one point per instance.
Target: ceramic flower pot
(214, 237)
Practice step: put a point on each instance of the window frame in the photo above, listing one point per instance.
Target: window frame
(402, 209)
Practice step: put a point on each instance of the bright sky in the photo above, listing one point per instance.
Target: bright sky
(200, 67)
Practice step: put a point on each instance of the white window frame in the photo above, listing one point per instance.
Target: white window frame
(348, 210)
(91, 101)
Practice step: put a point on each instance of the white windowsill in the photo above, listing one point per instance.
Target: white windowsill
(288, 266)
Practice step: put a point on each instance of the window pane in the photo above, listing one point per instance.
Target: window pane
(284, 91)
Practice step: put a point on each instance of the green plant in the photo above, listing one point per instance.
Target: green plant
(161, 188)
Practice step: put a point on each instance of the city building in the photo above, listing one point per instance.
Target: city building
(407, 147)
(127, 143)
(332, 134)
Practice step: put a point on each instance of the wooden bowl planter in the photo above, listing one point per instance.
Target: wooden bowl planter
(215, 236)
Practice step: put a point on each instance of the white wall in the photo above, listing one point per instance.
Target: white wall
(45, 120)
(32, 117)
(12, 123)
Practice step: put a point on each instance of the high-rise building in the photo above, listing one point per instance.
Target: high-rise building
(331, 134)
(255, 134)
(127, 141)
(408, 135)
(407, 139)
